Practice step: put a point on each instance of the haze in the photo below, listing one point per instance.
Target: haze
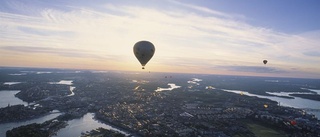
(211, 37)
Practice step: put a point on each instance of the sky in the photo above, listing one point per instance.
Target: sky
(227, 37)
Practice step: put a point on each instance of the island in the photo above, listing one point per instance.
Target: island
(189, 109)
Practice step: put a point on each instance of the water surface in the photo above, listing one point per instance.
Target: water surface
(86, 123)
(8, 98)
(172, 86)
(8, 126)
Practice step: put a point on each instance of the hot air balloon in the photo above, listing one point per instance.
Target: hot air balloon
(143, 50)
(265, 106)
(265, 61)
(293, 122)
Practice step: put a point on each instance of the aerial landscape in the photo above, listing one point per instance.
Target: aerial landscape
(157, 104)
(159, 68)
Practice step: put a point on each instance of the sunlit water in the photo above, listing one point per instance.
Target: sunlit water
(75, 127)
(10, 83)
(43, 72)
(36, 72)
(71, 90)
(8, 126)
(65, 82)
(194, 81)
(172, 86)
(18, 74)
(315, 90)
(8, 98)
(297, 102)
(86, 123)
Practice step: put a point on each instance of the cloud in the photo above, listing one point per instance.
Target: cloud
(58, 51)
(203, 9)
(44, 32)
(184, 35)
(254, 69)
(312, 53)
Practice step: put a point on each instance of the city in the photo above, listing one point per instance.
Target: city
(131, 102)
(159, 68)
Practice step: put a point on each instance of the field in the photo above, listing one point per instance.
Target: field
(264, 131)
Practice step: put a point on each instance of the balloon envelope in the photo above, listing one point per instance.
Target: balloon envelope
(241, 93)
(143, 50)
(265, 61)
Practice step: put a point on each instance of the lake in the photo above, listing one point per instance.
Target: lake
(7, 97)
(172, 86)
(85, 123)
(8, 126)
(297, 102)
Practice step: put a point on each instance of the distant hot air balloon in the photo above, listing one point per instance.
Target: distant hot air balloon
(265, 61)
(265, 106)
(293, 122)
(143, 50)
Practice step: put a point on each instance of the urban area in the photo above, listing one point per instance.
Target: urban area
(146, 105)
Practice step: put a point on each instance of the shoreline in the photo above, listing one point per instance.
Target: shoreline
(115, 125)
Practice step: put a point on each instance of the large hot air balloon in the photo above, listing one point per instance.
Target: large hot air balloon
(265, 61)
(143, 50)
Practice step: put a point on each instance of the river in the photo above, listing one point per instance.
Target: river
(8, 126)
(8, 98)
(64, 82)
(172, 86)
(297, 102)
(77, 126)
(85, 123)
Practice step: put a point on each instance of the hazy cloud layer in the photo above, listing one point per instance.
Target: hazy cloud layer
(312, 53)
(184, 35)
(254, 69)
(57, 51)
